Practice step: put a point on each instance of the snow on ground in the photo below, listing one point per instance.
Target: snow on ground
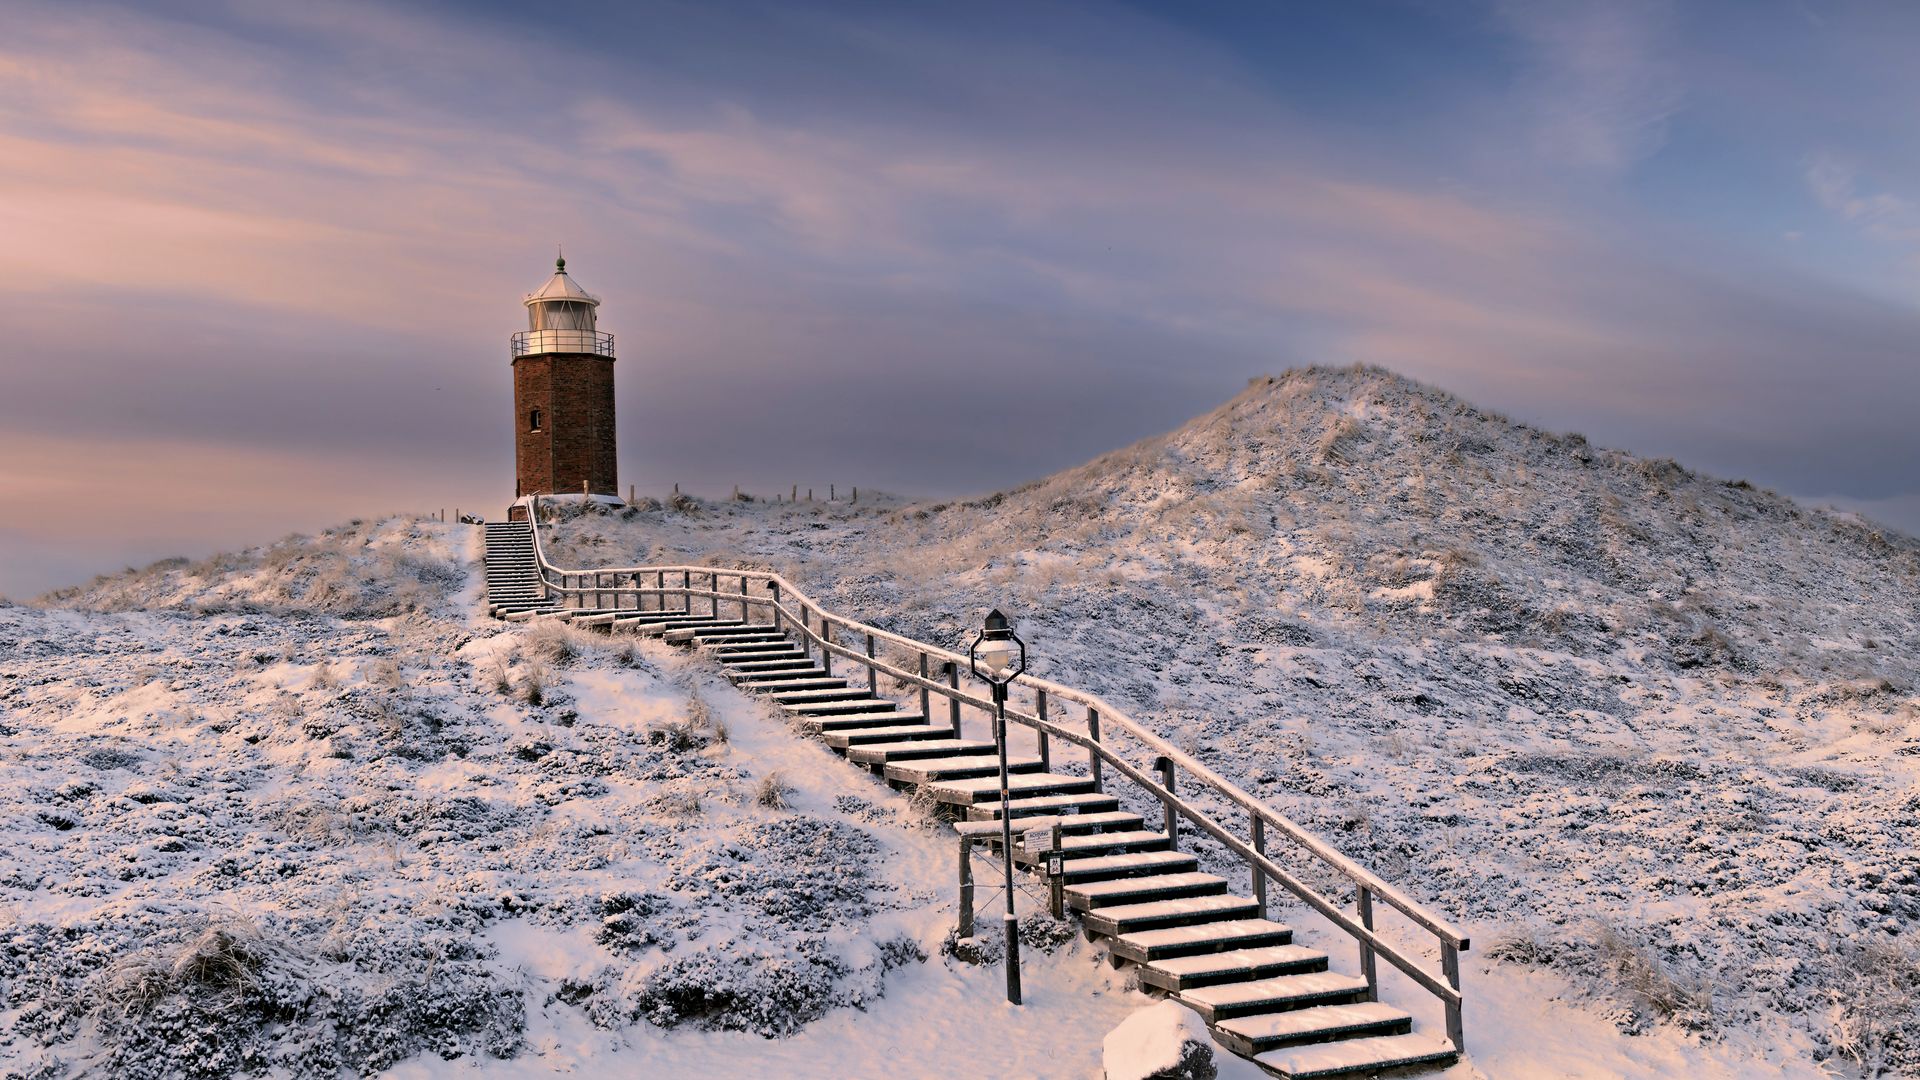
(1649, 736)
(243, 838)
(1648, 731)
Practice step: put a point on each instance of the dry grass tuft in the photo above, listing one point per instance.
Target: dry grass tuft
(773, 792)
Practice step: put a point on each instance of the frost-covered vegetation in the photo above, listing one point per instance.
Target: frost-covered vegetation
(1651, 729)
(297, 811)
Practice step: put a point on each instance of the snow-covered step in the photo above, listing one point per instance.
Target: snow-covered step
(939, 770)
(852, 706)
(1080, 802)
(728, 636)
(627, 616)
(1071, 825)
(735, 666)
(780, 672)
(1104, 843)
(890, 716)
(1133, 864)
(849, 738)
(1236, 965)
(735, 627)
(822, 695)
(1362, 1056)
(771, 651)
(984, 789)
(1093, 895)
(1150, 945)
(884, 753)
(1224, 1001)
(803, 689)
(1251, 1036)
(1160, 914)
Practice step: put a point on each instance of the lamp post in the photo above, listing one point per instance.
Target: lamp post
(999, 656)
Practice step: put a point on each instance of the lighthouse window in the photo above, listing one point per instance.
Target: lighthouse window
(533, 420)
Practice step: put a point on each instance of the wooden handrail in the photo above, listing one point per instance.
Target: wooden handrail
(787, 601)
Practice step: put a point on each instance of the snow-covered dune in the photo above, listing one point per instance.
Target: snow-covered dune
(1652, 730)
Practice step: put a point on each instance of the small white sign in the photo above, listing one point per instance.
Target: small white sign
(1038, 840)
(1055, 863)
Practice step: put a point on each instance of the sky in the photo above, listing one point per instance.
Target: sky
(260, 261)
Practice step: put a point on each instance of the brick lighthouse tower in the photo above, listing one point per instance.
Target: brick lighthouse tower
(563, 395)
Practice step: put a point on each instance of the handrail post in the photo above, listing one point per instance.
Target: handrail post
(965, 928)
(1093, 759)
(686, 590)
(599, 589)
(1450, 966)
(1259, 875)
(1165, 765)
(660, 590)
(924, 715)
(872, 684)
(1040, 710)
(1367, 964)
(713, 601)
(826, 646)
(774, 588)
(953, 701)
(744, 617)
(1056, 883)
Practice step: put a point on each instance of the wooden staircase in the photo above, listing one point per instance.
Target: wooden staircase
(514, 583)
(1264, 997)
(1183, 930)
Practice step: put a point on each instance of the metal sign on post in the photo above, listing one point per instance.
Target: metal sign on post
(1037, 841)
(1056, 862)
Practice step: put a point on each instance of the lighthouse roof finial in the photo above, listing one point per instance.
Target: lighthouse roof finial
(560, 262)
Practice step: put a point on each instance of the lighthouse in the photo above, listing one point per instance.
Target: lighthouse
(563, 395)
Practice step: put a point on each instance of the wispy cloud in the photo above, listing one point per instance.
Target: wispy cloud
(303, 232)
(1602, 79)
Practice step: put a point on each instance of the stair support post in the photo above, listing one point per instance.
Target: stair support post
(1093, 760)
(965, 929)
(1171, 819)
(1259, 875)
(1040, 710)
(923, 687)
(1450, 966)
(953, 701)
(1057, 883)
(1368, 967)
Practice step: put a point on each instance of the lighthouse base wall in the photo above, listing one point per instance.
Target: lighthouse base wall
(564, 419)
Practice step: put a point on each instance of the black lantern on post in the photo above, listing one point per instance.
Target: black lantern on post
(998, 656)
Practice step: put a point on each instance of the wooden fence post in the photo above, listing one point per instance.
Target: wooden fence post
(924, 715)
(1093, 759)
(773, 587)
(1364, 896)
(953, 703)
(1165, 765)
(872, 685)
(1456, 1025)
(1040, 710)
(965, 929)
(1259, 875)
(1056, 883)
(826, 645)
